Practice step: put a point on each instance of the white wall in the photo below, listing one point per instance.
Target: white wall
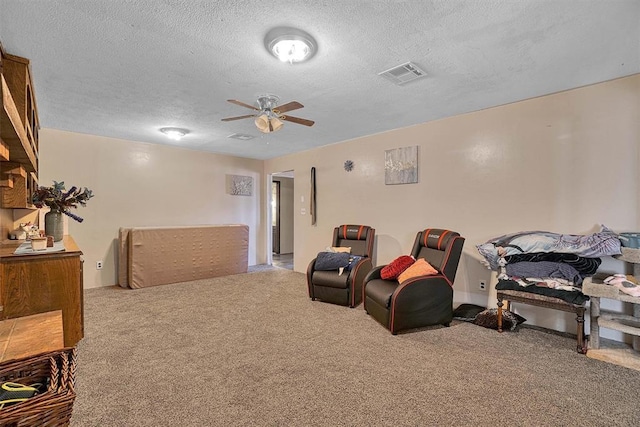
(137, 184)
(563, 163)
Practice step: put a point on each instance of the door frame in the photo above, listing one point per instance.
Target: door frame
(267, 187)
(269, 237)
(275, 247)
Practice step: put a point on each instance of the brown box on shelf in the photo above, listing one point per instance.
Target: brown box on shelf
(18, 195)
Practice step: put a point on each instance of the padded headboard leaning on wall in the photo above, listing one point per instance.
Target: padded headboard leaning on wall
(151, 256)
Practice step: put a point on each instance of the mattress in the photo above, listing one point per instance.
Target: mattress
(152, 256)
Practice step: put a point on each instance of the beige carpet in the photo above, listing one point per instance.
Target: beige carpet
(253, 350)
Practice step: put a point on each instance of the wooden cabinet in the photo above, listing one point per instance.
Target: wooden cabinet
(31, 284)
(19, 126)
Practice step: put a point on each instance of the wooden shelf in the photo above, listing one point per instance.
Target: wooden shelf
(607, 319)
(17, 72)
(19, 125)
(619, 322)
(13, 133)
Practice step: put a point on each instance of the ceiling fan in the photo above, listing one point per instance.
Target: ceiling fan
(269, 115)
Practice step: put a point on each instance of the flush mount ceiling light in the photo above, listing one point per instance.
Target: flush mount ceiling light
(174, 133)
(290, 44)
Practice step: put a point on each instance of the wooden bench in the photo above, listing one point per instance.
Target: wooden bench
(547, 302)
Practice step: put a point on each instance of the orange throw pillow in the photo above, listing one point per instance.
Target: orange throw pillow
(419, 268)
(392, 270)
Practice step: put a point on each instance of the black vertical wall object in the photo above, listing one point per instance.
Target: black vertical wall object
(313, 196)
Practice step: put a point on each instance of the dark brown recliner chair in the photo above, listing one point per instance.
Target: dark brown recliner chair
(419, 301)
(346, 288)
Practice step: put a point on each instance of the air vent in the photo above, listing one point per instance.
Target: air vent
(403, 73)
(241, 136)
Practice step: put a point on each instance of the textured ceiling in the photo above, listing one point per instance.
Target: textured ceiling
(124, 69)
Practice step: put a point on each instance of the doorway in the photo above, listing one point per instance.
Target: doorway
(281, 209)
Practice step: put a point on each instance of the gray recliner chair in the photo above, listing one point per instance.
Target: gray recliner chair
(423, 300)
(346, 288)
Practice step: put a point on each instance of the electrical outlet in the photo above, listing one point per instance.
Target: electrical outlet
(483, 285)
(98, 265)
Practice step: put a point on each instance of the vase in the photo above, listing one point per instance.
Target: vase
(53, 225)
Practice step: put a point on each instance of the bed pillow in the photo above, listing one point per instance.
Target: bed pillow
(331, 260)
(489, 319)
(419, 268)
(392, 270)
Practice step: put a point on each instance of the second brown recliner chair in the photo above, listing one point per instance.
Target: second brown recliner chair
(423, 300)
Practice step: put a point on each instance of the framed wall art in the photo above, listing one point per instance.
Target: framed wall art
(401, 166)
(239, 185)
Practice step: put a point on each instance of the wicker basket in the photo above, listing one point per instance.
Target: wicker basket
(53, 407)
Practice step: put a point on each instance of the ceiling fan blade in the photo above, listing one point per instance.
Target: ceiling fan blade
(289, 106)
(228, 119)
(242, 104)
(298, 120)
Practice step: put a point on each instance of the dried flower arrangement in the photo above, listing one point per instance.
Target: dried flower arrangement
(56, 198)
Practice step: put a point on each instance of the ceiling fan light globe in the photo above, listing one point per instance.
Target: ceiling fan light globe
(276, 124)
(262, 123)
